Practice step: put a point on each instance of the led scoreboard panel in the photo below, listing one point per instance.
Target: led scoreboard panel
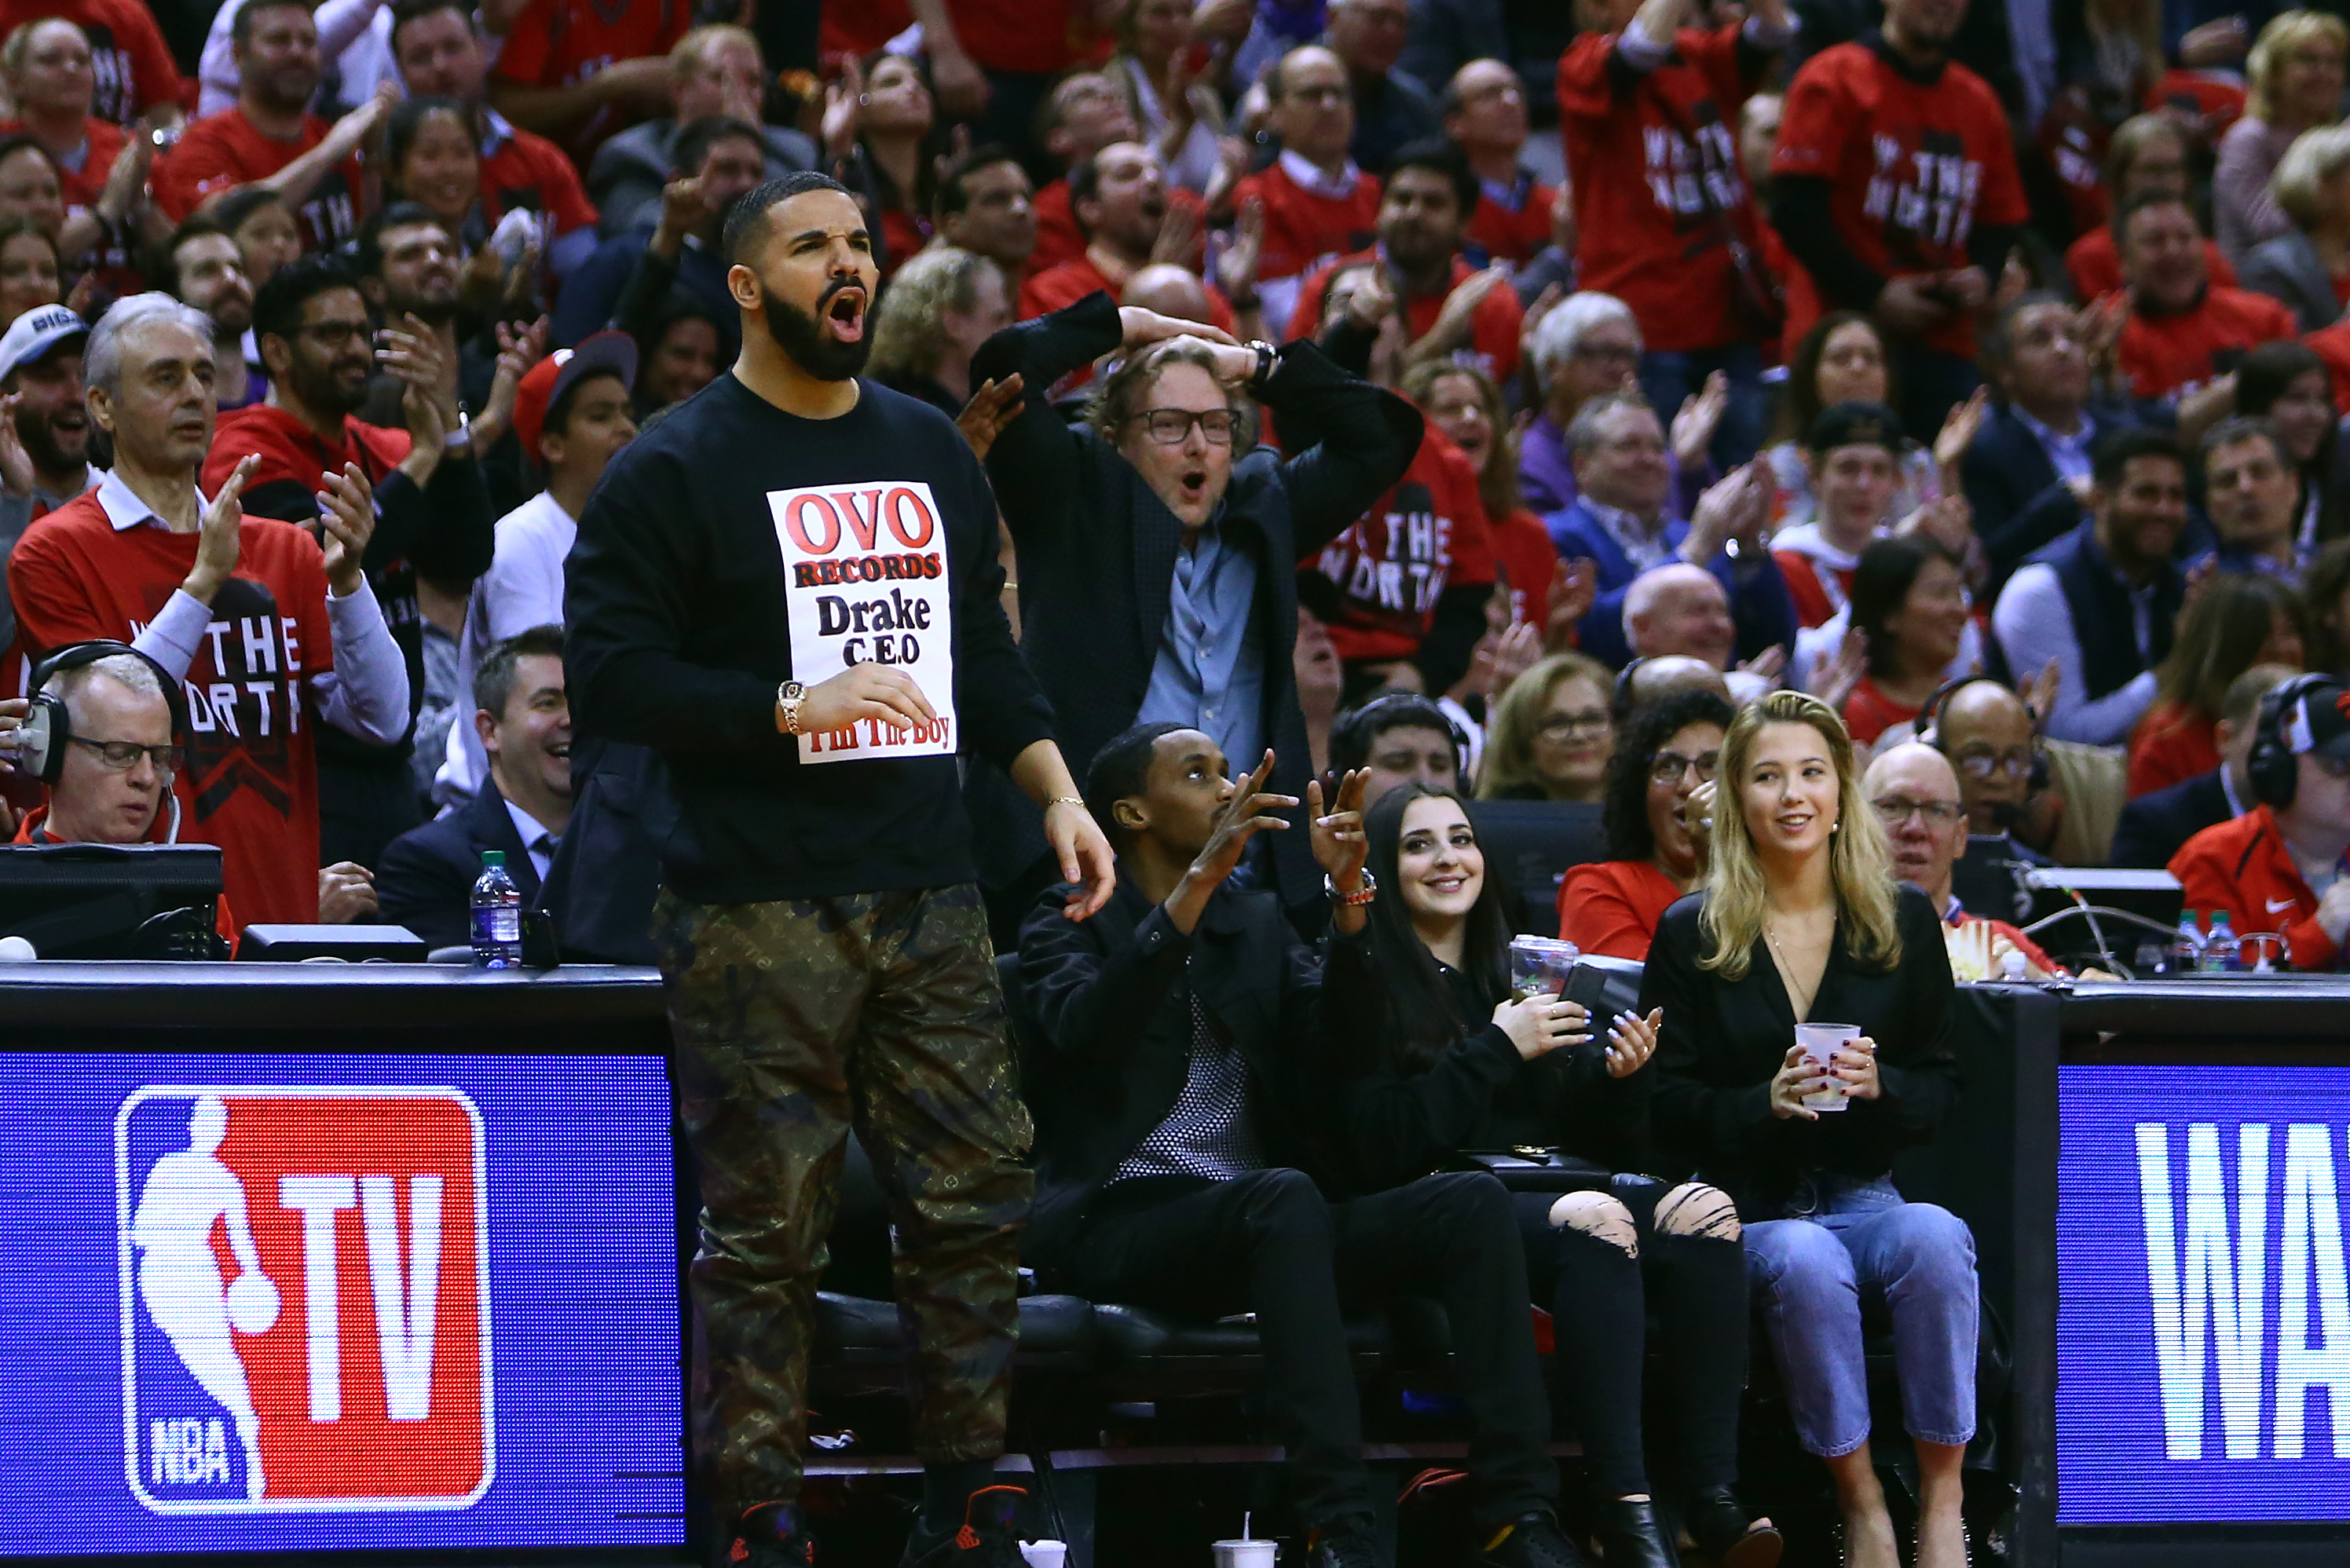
(328, 1300)
(2203, 1316)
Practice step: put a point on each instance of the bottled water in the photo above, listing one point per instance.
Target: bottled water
(2222, 953)
(2185, 949)
(497, 915)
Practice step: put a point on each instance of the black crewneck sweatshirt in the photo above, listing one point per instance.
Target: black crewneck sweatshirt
(679, 634)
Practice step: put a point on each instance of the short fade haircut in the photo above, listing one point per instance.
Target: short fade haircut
(1582, 431)
(1437, 156)
(367, 251)
(240, 27)
(954, 199)
(101, 363)
(747, 225)
(1121, 769)
(2117, 452)
(407, 11)
(493, 681)
(277, 304)
(697, 137)
(2237, 428)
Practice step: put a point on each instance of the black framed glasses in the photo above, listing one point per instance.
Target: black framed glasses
(1667, 767)
(1172, 427)
(1568, 726)
(1893, 810)
(1981, 762)
(121, 756)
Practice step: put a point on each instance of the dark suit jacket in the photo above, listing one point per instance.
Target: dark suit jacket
(1098, 550)
(2004, 469)
(1724, 1040)
(2156, 826)
(1109, 1004)
(426, 881)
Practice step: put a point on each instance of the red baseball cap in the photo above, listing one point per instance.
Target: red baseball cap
(602, 353)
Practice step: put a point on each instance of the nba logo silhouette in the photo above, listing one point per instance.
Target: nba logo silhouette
(304, 1299)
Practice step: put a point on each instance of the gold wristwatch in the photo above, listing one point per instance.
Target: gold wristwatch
(788, 698)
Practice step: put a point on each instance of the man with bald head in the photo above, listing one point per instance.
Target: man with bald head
(1169, 290)
(1484, 109)
(1318, 206)
(1987, 732)
(1914, 790)
(1646, 680)
(1679, 609)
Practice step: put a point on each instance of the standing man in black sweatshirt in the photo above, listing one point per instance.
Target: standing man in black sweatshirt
(789, 590)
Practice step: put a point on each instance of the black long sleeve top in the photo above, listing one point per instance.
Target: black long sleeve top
(1722, 1042)
(678, 636)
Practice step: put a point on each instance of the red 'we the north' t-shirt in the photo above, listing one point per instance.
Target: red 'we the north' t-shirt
(1517, 233)
(224, 150)
(1393, 564)
(1492, 329)
(250, 783)
(1654, 163)
(1915, 165)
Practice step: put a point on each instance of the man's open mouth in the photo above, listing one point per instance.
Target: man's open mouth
(844, 319)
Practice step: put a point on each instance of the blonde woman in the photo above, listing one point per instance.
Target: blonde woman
(1550, 733)
(2294, 81)
(2308, 266)
(940, 307)
(1802, 922)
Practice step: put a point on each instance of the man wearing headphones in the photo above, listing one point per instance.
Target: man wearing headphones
(2281, 865)
(112, 750)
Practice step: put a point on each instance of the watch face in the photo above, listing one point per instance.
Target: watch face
(794, 691)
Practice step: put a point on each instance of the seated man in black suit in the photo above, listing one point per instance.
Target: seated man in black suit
(426, 881)
(2156, 826)
(1182, 1164)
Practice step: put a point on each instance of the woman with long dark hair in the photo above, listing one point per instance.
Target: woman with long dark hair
(1611, 906)
(1802, 922)
(1909, 603)
(1461, 1066)
(2237, 620)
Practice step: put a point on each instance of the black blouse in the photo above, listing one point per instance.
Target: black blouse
(1722, 1042)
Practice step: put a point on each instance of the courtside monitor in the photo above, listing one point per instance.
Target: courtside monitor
(111, 900)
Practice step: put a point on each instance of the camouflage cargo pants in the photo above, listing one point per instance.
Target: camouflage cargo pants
(793, 1022)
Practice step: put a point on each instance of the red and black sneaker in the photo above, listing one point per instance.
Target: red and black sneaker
(770, 1536)
(988, 1538)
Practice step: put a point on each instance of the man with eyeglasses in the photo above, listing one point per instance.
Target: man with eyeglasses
(1588, 347)
(2284, 865)
(1987, 732)
(1915, 793)
(275, 637)
(1318, 205)
(314, 334)
(1484, 109)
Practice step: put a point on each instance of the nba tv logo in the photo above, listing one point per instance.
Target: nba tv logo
(304, 1299)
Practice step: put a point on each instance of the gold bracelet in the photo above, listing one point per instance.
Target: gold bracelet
(1077, 800)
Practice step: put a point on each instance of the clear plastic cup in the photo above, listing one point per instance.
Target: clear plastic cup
(1248, 1554)
(1819, 1041)
(1539, 964)
(1045, 1553)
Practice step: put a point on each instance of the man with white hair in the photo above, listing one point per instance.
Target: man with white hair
(1588, 346)
(1623, 525)
(1914, 790)
(271, 635)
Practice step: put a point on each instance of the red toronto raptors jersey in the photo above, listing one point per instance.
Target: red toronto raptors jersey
(1391, 566)
(1517, 233)
(1654, 163)
(1914, 166)
(224, 150)
(130, 62)
(251, 781)
(1493, 327)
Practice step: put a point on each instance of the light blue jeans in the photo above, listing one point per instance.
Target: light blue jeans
(1855, 1240)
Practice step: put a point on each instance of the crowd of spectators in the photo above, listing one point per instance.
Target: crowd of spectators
(1984, 384)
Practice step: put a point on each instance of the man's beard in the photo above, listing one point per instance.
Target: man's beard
(318, 386)
(42, 444)
(432, 312)
(802, 337)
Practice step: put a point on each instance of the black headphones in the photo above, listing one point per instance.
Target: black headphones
(2274, 772)
(1619, 701)
(1929, 718)
(1355, 729)
(50, 726)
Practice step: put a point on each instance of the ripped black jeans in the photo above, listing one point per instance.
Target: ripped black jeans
(1605, 1262)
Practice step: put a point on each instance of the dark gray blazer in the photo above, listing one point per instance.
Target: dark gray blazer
(2288, 268)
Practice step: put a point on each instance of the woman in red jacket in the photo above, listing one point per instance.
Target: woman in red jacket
(1612, 908)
